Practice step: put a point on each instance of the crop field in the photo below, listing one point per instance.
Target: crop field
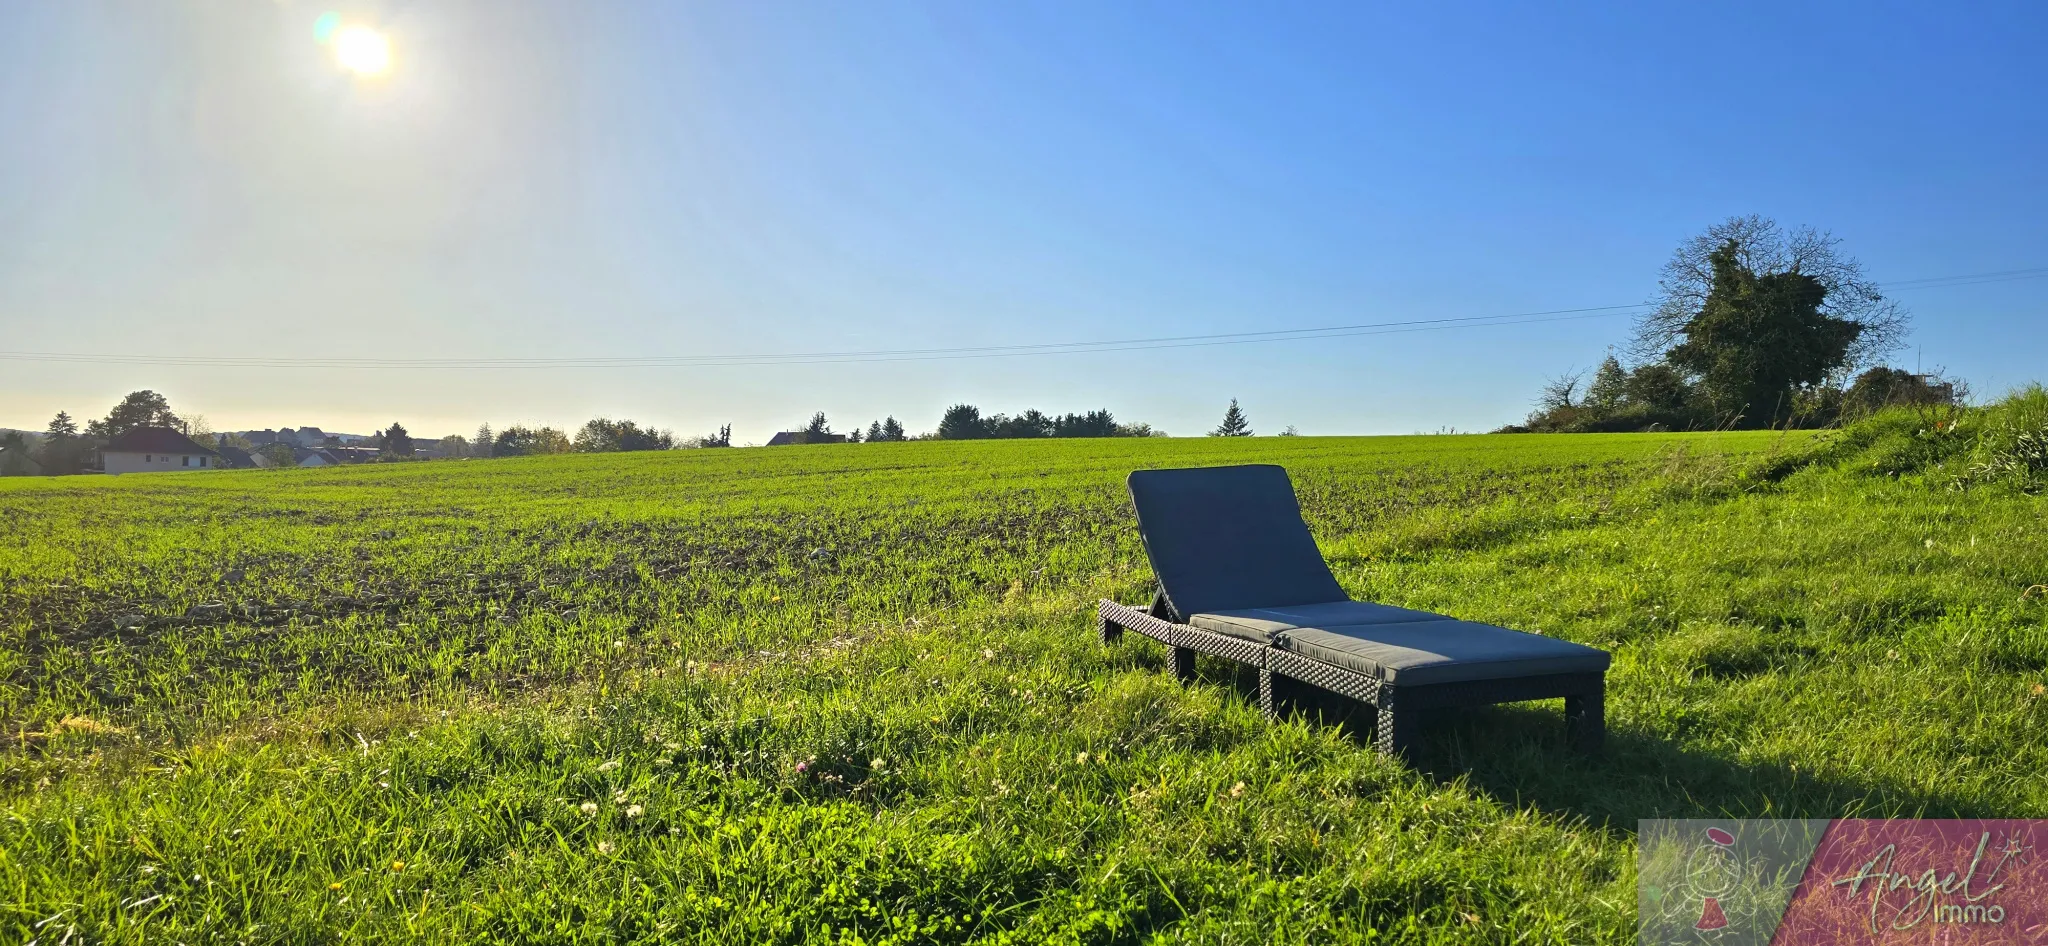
(853, 694)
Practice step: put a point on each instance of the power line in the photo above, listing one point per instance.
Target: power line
(846, 357)
(1972, 279)
(941, 354)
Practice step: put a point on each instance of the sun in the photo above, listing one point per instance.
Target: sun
(362, 50)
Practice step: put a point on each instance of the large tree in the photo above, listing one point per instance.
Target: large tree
(140, 409)
(604, 435)
(1758, 337)
(519, 440)
(1761, 248)
(962, 422)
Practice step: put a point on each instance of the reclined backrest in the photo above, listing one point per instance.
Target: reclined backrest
(1228, 537)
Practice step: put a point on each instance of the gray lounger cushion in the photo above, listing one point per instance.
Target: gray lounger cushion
(1233, 555)
(1231, 537)
(1442, 651)
(1260, 624)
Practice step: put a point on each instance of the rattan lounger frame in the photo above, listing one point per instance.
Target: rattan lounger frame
(1396, 708)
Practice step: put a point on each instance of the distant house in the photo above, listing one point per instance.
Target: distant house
(307, 456)
(236, 458)
(789, 437)
(353, 454)
(156, 450)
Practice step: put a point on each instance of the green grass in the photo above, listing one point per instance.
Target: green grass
(852, 693)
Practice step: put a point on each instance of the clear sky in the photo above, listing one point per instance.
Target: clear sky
(546, 180)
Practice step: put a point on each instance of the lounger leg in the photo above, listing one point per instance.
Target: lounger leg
(1585, 721)
(1393, 727)
(1184, 664)
(1110, 630)
(1269, 702)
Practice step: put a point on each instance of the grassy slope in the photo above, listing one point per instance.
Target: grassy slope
(424, 675)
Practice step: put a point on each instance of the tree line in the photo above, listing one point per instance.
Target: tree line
(1753, 326)
(966, 422)
(65, 448)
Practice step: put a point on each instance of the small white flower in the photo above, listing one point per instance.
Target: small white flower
(589, 807)
(605, 847)
(635, 811)
(608, 766)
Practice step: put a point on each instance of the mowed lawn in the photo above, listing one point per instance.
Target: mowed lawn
(854, 694)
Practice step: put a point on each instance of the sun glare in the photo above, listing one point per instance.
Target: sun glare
(362, 50)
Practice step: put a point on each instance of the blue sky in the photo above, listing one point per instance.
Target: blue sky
(565, 180)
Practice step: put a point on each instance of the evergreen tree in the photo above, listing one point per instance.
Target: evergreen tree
(875, 432)
(1235, 424)
(485, 440)
(61, 452)
(397, 442)
(892, 430)
(962, 422)
(816, 431)
(1092, 424)
(1609, 390)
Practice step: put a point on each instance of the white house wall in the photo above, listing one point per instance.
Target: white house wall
(114, 462)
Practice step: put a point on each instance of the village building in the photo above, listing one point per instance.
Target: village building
(156, 450)
(236, 458)
(788, 437)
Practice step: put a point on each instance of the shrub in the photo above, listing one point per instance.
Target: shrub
(2011, 444)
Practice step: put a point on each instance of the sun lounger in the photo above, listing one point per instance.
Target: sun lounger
(1241, 578)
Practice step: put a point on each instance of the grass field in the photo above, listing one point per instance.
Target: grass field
(853, 694)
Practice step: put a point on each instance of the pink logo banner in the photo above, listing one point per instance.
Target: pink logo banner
(1868, 882)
